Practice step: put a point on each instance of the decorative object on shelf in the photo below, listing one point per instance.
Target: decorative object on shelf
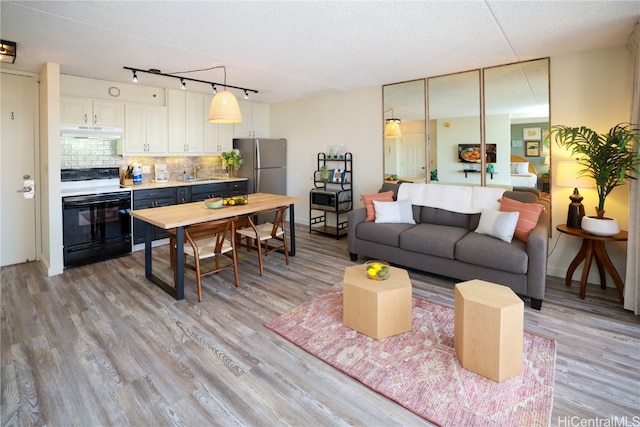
(332, 151)
(325, 174)
(377, 270)
(231, 160)
(568, 175)
(491, 168)
(343, 149)
(607, 158)
(338, 175)
(224, 105)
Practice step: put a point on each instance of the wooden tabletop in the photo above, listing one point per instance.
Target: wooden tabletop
(579, 232)
(194, 213)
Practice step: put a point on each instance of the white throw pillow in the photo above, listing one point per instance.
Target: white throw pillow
(523, 168)
(500, 225)
(514, 168)
(399, 212)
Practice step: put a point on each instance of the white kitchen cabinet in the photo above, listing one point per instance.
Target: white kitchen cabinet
(255, 120)
(145, 131)
(186, 128)
(218, 137)
(86, 111)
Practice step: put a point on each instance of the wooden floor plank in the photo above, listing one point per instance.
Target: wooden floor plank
(101, 345)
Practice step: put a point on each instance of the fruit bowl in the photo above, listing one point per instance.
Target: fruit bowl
(377, 270)
(214, 203)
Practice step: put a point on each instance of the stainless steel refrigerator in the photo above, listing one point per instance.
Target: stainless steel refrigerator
(265, 164)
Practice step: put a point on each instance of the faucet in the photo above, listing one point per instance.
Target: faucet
(195, 172)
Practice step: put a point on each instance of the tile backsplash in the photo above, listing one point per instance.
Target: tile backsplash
(94, 153)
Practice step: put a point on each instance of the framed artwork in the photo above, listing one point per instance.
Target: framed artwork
(516, 143)
(337, 175)
(533, 148)
(470, 153)
(531, 133)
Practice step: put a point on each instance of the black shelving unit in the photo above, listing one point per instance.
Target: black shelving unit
(332, 197)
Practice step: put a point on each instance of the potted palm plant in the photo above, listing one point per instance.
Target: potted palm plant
(609, 158)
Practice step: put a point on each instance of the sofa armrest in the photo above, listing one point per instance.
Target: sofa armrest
(537, 253)
(354, 217)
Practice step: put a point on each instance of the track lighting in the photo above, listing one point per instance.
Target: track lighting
(224, 105)
(135, 77)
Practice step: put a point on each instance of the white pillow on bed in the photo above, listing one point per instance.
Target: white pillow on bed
(519, 168)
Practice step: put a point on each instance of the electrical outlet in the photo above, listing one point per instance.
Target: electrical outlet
(146, 169)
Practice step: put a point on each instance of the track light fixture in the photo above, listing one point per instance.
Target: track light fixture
(135, 77)
(224, 105)
(183, 84)
(8, 51)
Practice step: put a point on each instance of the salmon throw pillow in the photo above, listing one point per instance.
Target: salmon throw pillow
(528, 219)
(368, 199)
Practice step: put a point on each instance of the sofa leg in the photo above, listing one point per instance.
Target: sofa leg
(354, 257)
(536, 303)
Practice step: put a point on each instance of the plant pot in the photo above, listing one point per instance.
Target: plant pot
(600, 226)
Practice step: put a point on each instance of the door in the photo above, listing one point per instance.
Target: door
(17, 157)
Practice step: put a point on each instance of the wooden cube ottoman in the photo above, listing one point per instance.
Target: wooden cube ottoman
(377, 308)
(488, 329)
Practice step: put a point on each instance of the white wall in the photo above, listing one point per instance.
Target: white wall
(591, 89)
(309, 125)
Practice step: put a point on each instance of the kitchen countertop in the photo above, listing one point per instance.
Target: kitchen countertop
(150, 185)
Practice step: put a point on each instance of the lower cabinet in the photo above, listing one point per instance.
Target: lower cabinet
(143, 199)
(153, 198)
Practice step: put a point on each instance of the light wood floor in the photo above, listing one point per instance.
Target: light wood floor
(100, 345)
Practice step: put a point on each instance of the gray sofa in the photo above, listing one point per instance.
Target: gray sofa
(444, 243)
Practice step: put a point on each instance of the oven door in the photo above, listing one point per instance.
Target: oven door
(96, 227)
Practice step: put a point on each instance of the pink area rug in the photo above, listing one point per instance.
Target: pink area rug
(420, 369)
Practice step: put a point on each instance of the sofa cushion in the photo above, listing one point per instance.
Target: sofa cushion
(432, 239)
(368, 199)
(500, 225)
(528, 218)
(399, 212)
(443, 217)
(385, 234)
(485, 251)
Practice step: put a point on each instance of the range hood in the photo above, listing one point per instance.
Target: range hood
(101, 132)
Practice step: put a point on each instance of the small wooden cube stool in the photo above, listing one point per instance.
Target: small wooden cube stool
(488, 329)
(377, 308)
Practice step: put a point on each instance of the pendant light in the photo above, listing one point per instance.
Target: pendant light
(224, 108)
(392, 130)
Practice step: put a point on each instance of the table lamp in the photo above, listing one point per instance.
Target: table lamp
(568, 175)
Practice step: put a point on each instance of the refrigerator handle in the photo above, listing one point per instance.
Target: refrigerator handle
(256, 187)
(258, 164)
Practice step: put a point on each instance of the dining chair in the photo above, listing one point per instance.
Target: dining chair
(263, 234)
(208, 240)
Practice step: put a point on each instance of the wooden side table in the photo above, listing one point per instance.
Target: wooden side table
(593, 247)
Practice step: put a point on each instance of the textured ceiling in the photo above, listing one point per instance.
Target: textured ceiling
(292, 50)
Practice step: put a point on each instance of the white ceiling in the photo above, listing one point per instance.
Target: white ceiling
(294, 49)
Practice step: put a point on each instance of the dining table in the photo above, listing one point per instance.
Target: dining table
(183, 215)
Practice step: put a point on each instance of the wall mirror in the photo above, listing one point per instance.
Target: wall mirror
(404, 127)
(513, 151)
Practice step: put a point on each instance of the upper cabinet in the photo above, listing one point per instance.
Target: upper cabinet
(255, 120)
(145, 131)
(86, 111)
(186, 128)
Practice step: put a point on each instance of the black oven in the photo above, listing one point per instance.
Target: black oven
(96, 227)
